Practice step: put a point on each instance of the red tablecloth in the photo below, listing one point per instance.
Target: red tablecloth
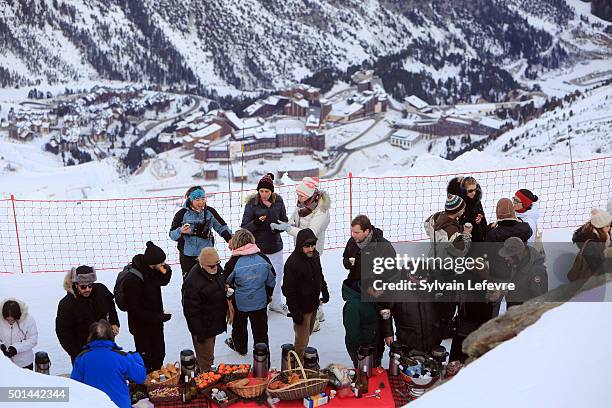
(389, 398)
(386, 400)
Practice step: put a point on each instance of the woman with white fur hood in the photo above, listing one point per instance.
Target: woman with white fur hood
(18, 333)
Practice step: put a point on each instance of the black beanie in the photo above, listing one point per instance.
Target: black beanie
(266, 182)
(153, 255)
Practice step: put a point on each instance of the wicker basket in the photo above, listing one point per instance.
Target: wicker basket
(174, 380)
(303, 388)
(242, 388)
(408, 380)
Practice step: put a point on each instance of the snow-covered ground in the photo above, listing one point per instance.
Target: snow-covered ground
(561, 361)
(78, 394)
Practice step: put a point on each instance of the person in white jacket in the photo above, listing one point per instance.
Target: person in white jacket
(526, 206)
(312, 211)
(18, 334)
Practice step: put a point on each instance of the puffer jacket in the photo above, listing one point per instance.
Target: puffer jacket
(22, 335)
(317, 221)
(267, 239)
(473, 207)
(446, 236)
(252, 276)
(303, 280)
(531, 217)
(206, 220)
(75, 313)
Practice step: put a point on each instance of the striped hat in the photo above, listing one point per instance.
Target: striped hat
(453, 204)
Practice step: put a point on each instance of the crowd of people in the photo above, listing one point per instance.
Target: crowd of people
(257, 280)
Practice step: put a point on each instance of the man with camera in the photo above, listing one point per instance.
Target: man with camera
(192, 228)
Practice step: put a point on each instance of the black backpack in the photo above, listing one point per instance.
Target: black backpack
(118, 290)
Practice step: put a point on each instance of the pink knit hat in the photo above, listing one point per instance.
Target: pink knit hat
(307, 186)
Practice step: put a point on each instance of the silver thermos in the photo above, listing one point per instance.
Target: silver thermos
(287, 360)
(311, 358)
(42, 364)
(188, 363)
(365, 359)
(261, 360)
(394, 356)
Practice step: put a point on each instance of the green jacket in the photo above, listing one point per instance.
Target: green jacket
(360, 319)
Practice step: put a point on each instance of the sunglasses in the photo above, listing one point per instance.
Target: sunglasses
(473, 190)
(83, 287)
(516, 200)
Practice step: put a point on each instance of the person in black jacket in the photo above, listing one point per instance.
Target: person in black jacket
(470, 191)
(85, 302)
(366, 243)
(303, 283)
(205, 305)
(261, 210)
(144, 306)
(593, 239)
(507, 225)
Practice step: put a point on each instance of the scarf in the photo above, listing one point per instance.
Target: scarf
(248, 249)
(307, 207)
(366, 241)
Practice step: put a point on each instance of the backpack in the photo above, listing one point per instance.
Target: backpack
(580, 269)
(118, 290)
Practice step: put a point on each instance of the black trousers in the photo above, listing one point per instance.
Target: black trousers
(187, 262)
(151, 346)
(259, 328)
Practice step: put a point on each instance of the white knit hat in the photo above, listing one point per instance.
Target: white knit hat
(600, 218)
(307, 186)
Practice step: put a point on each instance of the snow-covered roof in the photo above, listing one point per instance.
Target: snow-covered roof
(460, 121)
(251, 109)
(344, 109)
(234, 120)
(302, 103)
(207, 131)
(210, 167)
(491, 123)
(404, 134)
(416, 102)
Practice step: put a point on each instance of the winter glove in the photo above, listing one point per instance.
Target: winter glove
(298, 318)
(324, 295)
(280, 226)
(165, 317)
(11, 352)
(3, 348)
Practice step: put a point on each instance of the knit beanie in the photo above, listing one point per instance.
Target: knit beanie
(307, 186)
(453, 204)
(197, 194)
(505, 210)
(266, 182)
(600, 218)
(84, 275)
(153, 255)
(527, 198)
(208, 256)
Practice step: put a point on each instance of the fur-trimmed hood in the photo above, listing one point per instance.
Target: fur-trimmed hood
(253, 198)
(22, 306)
(68, 287)
(324, 201)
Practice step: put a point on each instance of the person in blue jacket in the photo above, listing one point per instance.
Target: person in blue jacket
(252, 276)
(261, 210)
(192, 228)
(103, 365)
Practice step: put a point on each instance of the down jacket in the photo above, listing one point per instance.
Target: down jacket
(22, 335)
(317, 221)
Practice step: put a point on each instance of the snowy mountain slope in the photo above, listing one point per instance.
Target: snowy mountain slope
(587, 120)
(257, 43)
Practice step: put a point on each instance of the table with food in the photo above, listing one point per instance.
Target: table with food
(409, 375)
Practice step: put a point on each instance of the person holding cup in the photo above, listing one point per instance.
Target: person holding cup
(148, 272)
